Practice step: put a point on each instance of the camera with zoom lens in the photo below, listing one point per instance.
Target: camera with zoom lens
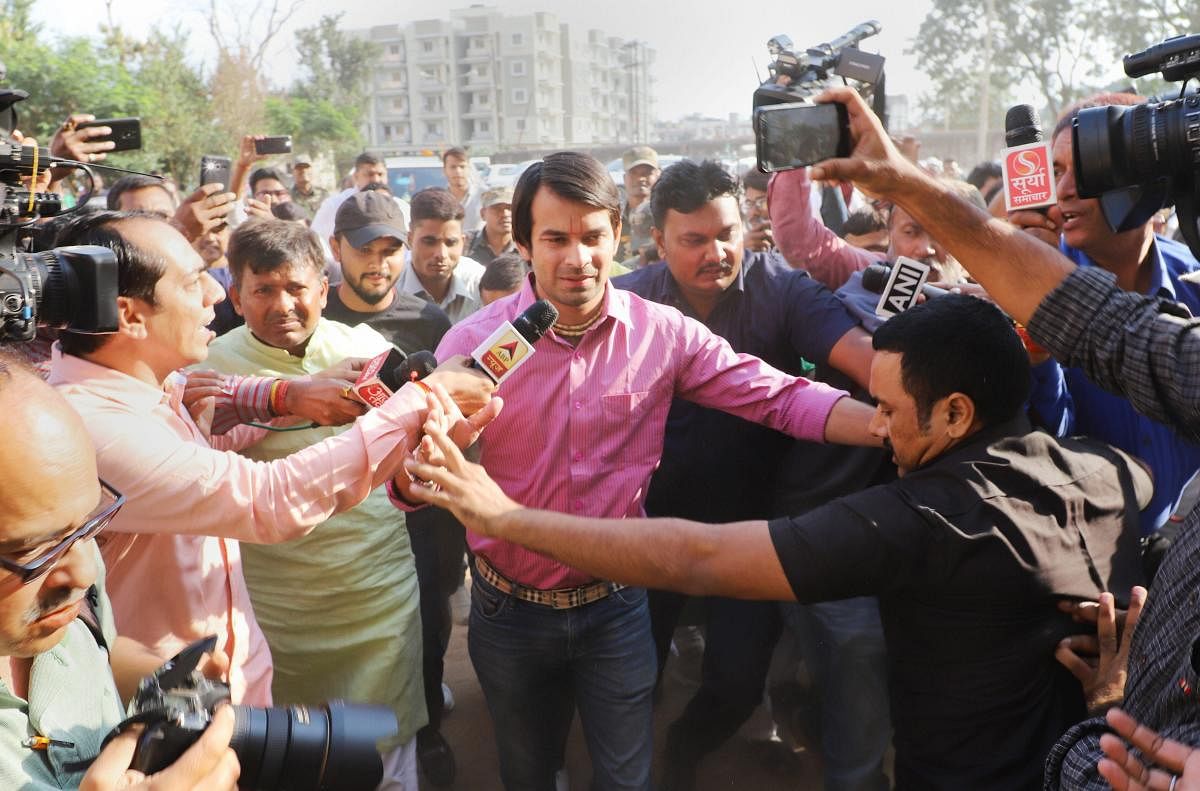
(1138, 159)
(68, 287)
(789, 130)
(331, 747)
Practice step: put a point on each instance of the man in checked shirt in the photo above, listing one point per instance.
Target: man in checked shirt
(581, 433)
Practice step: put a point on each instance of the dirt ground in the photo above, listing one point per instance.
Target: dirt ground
(748, 761)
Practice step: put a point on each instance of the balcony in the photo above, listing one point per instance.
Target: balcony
(478, 111)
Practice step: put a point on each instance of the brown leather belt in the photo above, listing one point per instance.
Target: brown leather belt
(558, 599)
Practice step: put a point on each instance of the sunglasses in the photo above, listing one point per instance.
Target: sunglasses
(45, 558)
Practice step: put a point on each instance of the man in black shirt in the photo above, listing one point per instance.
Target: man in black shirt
(989, 525)
(368, 241)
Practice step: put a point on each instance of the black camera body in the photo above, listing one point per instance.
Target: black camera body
(297, 748)
(789, 131)
(70, 287)
(1138, 159)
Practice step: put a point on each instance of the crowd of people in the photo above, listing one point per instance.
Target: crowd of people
(972, 521)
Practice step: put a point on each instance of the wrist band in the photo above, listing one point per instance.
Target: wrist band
(423, 386)
(278, 399)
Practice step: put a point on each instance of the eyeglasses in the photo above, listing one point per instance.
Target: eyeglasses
(44, 559)
(749, 205)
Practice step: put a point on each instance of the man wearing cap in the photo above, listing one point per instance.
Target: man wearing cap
(641, 171)
(355, 570)
(495, 237)
(368, 241)
(304, 191)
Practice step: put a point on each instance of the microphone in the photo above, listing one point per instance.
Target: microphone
(386, 373)
(415, 366)
(1028, 162)
(511, 344)
(876, 276)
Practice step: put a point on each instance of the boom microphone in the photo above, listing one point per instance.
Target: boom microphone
(875, 278)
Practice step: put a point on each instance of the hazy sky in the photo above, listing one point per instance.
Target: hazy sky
(707, 51)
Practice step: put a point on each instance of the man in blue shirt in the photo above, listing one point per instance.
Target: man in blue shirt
(716, 467)
(1064, 400)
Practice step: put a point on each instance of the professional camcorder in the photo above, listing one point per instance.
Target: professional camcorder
(1138, 159)
(67, 287)
(331, 747)
(792, 132)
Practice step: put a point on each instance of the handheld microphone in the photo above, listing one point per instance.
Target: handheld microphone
(386, 373)
(899, 285)
(511, 344)
(1028, 162)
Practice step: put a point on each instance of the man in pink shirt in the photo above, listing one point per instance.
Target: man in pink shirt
(581, 434)
(172, 553)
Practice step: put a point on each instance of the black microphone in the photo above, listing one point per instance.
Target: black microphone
(511, 344)
(417, 365)
(1022, 126)
(875, 278)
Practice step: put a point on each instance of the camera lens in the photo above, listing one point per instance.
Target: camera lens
(331, 747)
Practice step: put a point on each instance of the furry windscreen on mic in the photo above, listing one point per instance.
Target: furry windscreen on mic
(1022, 125)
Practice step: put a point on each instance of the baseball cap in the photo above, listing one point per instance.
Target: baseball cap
(639, 155)
(301, 161)
(365, 216)
(497, 195)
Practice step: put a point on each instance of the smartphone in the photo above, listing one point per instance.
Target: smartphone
(793, 135)
(214, 170)
(274, 145)
(126, 132)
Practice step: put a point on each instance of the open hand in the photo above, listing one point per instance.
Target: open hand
(1101, 661)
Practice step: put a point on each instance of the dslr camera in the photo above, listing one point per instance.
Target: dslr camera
(331, 747)
(1141, 158)
(789, 130)
(67, 287)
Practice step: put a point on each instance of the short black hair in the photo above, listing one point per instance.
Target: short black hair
(366, 158)
(571, 175)
(264, 173)
(132, 183)
(455, 151)
(1096, 100)
(755, 179)
(982, 172)
(434, 203)
(503, 273)
(865, 220)
(959, 344)
(262, 245)
(686, 186)
(291, 211)
(138, 270)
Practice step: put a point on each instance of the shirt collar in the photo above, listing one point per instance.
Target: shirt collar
(970, 447)
(1160, 275)
(410, 283)
(614, 304)
(109, 383)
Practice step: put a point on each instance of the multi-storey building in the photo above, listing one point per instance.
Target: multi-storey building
(493, 81)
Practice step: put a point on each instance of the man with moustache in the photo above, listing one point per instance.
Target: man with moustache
(58, 699)
(495, 237)
(717, 467)
(1063, 397)
(641, 171)
(584, 432)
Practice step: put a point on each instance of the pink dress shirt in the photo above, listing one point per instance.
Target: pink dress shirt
(582, 428)
(174, 568)
(803, 239)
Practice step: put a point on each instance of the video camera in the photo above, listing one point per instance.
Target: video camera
(1140, 158)
(789, 130)
(296, 748)
(67, 287)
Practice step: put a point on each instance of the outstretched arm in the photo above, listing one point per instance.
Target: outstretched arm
(736, 560)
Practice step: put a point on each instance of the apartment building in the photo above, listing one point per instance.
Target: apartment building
(493, 81)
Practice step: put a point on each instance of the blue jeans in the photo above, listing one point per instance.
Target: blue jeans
(842, 642)
(536, 665)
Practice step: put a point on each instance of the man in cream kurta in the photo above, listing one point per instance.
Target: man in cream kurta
(339, 607)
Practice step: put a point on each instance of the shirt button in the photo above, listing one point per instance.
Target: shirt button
(578, 456)
(579, 405)
(577, 505)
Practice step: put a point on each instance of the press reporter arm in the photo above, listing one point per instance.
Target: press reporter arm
(736, 559)
(131, 661)
(71, 142)
(208, 765)
(1017, 270)
(247, 156)
(1101, 661)
(1170, 759)
(803, 239)
(203, 210)
(852, 355)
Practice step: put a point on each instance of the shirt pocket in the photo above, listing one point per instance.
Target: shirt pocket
(626, 416)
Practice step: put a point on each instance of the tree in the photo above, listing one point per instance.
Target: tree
(1046, 52)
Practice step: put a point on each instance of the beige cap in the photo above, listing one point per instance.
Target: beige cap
(639, 155)
(497, 195)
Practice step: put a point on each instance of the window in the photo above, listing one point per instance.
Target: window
(393, 49)
(397, 102)
(397, 76)
(483, 127)
(387, 131)
(427, 46)
(518, 39)
(520, 96)
(520, 124)
(518, 68)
